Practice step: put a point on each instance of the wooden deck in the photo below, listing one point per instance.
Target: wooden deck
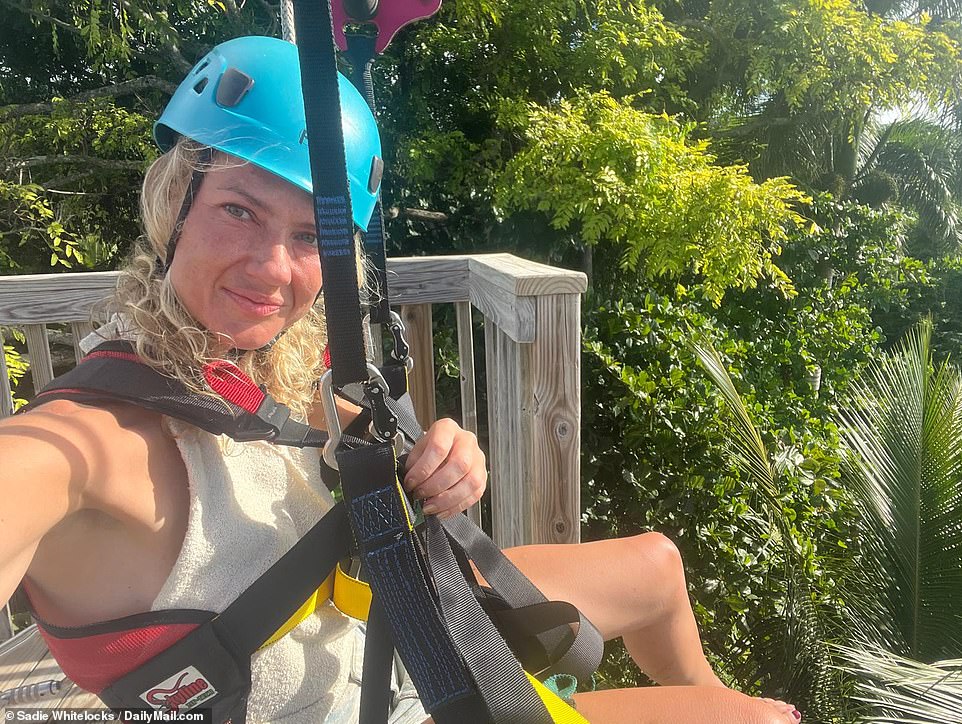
(24, 660)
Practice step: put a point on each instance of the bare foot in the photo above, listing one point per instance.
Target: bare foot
(784, 708)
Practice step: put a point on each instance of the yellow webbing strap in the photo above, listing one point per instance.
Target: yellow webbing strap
(560, 711)
(351, 597)
(317, 598)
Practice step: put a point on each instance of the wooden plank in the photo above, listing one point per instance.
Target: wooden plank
(514, 315)
(417, 319)
(524, 278)
(25, 660)
(47, 669)
(469, 396)
(19, 657)
(80, 330)
(428, 279)
(506, 488)
(41, 298)
(76, 698)
(534, 404)
(38, 347)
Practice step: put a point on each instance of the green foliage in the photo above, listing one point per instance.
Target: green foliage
(904, 438)
(634, 181)
(904, 691)
(656, 456)
(16, 366)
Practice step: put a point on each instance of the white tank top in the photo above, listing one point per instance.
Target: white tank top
(249, 503)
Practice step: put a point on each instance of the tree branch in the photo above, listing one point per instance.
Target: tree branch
(437, 217)
(110, 91)
(117, 164)
(173, 52)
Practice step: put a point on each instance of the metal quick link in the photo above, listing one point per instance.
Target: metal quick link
(31, 693)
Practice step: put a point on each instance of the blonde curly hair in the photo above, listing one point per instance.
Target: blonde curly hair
(166, 335)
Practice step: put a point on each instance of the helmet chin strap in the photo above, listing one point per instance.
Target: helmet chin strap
(196, 178)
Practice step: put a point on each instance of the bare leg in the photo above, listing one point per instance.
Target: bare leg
(628, 587)
(677, 705)
(634, 588)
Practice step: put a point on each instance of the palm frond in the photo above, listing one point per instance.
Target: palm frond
(904, 440)
(747, 445)
(904, 691)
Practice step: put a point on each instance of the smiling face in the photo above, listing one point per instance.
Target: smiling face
(246, 263)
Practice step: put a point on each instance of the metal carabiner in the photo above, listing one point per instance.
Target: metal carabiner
(334, 430)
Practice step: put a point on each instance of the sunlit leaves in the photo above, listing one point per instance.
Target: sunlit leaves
(637, 182)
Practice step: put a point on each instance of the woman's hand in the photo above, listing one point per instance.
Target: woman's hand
(446, 470)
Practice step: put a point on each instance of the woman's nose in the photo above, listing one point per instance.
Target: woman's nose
(272, 263)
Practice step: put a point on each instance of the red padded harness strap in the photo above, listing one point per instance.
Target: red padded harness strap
(229, 382)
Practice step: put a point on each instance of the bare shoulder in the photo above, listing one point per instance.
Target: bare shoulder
(89, 492)
(75, 449)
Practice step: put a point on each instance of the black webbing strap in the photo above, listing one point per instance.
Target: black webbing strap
(583, 654)
(378, 664)
(332, 203)
(396, 572)
(112, 373)
(360, 53)
(221, 648)
(497, 672)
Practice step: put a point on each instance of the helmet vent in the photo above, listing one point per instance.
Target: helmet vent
(201, 66)
(200, 85)
(377, 170)
(233, 86)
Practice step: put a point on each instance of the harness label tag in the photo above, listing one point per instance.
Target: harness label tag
(181, 692)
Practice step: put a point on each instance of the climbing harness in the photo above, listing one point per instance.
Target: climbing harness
(475, 653)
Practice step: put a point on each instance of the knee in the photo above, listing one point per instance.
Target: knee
(658, 556)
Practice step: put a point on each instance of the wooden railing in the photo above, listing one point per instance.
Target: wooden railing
(532, 358)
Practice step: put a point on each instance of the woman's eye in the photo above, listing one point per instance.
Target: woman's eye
(307, 238)
(238, 212)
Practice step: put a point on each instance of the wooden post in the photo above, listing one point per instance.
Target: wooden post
(38, 347)
(80, 330)
(6, 408)
(469, 396)
(417, 320)
(534, 408)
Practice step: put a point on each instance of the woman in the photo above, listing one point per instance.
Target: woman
(114, 510)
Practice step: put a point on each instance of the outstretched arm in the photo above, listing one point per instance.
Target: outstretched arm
(42, 481)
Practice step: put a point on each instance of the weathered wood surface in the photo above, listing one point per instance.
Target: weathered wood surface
(38, 347)
(534, 402)
(525, 278)
(24, 660)
(6, 396)
(79, 330)
(469, 393)
(512, 314)
(418, 320)
(42, 298)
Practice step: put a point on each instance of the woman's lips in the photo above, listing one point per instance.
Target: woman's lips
(254, 304)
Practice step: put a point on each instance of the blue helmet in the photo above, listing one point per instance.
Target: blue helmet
(244, 98)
